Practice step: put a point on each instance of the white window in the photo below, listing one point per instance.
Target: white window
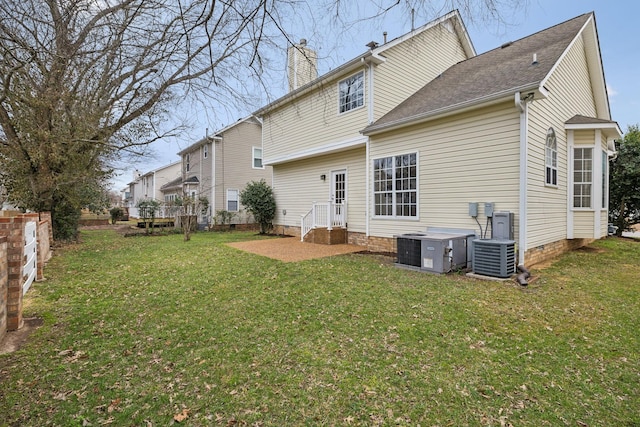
(257, 158)
(395, 186)
(551, 158)
(351, 92)
(205, 150)
(582, 177)
(605, 174)
(232, 200)
(188, 162)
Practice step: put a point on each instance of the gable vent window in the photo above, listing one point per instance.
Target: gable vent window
(551, 158)
(351, 92)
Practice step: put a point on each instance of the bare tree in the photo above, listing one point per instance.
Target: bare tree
(84, 81)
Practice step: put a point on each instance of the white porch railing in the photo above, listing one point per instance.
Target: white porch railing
(161, 212)
(324, 215)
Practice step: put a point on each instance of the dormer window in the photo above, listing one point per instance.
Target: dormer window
(351, 92)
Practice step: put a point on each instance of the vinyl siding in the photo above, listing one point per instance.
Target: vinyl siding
(234, 162)
(414, 63)
(199, 167)
(297, 185)
(570, 94)
(472, 157)
(164, 176)
(313, 120)
(583, 224)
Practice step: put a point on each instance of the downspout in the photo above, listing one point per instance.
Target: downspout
(367, 211)
(213, 175)
(521, 104)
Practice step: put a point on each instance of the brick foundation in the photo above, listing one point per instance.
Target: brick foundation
(388, 245)
(552, 250)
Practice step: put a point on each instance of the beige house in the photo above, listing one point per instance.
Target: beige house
(412, 134)
(312, 136)
(219, 166)
(148, 186)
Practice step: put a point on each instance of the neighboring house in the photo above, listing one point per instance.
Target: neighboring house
(526, 126)
(219, 166)
(148, 186)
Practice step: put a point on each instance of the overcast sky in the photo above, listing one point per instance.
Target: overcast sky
(616, 21)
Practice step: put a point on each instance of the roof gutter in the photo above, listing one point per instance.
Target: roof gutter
(535, 89)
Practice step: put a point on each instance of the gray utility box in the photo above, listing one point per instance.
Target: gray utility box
(432, 252)
(502, 225)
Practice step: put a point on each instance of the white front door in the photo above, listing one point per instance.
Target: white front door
(339, 196)
(339, 186)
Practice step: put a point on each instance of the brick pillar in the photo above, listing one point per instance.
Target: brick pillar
(4, 278)
(46, 216)
(13, 229)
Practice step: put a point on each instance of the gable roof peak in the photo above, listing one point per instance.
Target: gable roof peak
(521, 65)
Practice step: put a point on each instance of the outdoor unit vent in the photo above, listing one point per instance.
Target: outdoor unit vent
(496, 258)
(409, 249)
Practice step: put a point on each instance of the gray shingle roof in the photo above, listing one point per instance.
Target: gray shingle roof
(584, 120)
(508, 68)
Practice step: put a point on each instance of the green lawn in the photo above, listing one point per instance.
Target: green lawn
(156, 331)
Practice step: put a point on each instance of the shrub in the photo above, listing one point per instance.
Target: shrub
(116, 214)
(257, 198)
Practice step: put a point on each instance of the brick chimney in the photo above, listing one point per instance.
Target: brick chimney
(302, 65)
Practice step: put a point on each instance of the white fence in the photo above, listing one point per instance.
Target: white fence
(29, 269)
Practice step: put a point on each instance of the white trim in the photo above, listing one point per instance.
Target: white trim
(610, 130)
(368, 189)
(596, 190)
(570, 219)
(333, 147)
(370, 93)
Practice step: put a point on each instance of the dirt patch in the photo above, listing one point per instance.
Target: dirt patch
(290, 249)
(14, 340)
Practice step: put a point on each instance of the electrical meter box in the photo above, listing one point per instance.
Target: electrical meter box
(488, 209)
(473, 209)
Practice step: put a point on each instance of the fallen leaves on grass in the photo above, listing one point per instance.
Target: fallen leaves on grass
(180, 417)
